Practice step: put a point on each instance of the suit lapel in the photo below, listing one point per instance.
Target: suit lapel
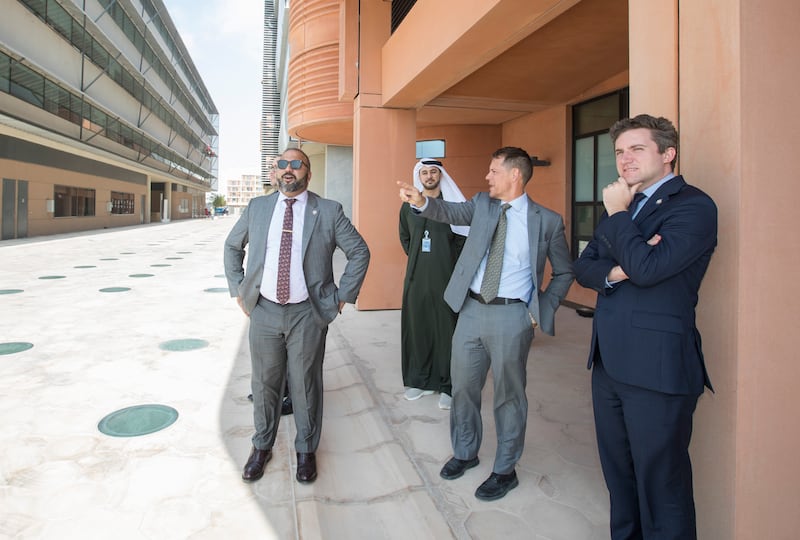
(310, 220)
(491, 223)
(534, 227)
(269, 210)
(661, 196)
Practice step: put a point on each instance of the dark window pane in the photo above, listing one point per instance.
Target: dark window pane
(606, 163)
(37, 6)
(5, 68)
(59, 18)
(584, 170)
(27, 85)
(597, 115)
(584, 220)
(73, 201)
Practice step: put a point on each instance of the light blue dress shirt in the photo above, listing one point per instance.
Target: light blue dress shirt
(515, 277)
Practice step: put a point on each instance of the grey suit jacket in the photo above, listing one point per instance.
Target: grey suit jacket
(547, 241)
(325, 228)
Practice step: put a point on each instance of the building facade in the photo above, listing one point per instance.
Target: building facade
(104, 119)
(239, 192)
(551, 76)
(273, 71)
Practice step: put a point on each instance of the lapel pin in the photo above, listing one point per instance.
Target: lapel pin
(314, 212)
(659, 201)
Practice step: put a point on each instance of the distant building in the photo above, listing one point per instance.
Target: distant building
(240, 191)
(104, 119)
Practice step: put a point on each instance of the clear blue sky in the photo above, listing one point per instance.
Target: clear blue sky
(225, 41)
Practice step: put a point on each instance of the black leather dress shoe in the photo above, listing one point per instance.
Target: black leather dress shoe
(254, 468)
(455, 467)
(286, 406)
(496, 486)
(306, 467)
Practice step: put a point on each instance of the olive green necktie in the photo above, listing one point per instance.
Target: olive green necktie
(494, 263)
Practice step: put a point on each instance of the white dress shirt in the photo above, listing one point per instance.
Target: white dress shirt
(297, 282)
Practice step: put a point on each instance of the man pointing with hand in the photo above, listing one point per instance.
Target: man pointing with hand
(497, 290)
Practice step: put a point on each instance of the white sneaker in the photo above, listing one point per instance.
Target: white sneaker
(445, 401)
(416, 393)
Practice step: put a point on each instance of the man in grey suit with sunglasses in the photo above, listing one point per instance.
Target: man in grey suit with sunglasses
(496, 288)
(289, 294)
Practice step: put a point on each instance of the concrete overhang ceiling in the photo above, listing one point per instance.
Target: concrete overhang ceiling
(578, 50)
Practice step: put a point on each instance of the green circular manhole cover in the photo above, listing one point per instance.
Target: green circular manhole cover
(173, 258)
(85, 266)
(216, 289)
(52, 277)
(115, 289)
(10, 291)
(14, 347)
(183, 344)
(141, 275)
(109, 259)
(127, 253)
(183, 252)
(160, 265)
(137, 420)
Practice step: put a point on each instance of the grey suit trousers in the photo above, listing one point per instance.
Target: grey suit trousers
(497, 337)
(286, 339)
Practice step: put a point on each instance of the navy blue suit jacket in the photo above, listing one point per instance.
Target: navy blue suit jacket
(644, 328)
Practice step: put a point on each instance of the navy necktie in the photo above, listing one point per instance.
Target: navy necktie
(637, 198)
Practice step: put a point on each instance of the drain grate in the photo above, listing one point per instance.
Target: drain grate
(14, 347)
(183, 344)
(137, 420)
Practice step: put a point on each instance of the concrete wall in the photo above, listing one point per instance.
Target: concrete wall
(339, 177)
(41, 181)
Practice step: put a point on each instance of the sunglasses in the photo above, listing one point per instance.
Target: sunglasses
(295, 164)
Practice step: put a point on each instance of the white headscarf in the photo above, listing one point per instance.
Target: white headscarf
(450, 191)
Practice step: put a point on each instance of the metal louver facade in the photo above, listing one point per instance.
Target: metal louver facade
(270, 94)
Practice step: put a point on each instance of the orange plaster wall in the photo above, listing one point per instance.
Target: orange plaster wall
(382, 154)
(314, 110)
(710, 157)
(735, 82)
(544, 135)
(469, 149)
(653, 58)
(348, 49)
(767, 470)
(375, 17)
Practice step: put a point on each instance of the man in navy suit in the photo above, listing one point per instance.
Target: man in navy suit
(646, 262)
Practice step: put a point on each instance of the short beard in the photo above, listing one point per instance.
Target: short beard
(298, 185)
(434, 186)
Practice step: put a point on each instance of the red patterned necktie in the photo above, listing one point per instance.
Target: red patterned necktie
(285, 255)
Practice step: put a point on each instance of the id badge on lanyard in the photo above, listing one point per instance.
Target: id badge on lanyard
(426, 243)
